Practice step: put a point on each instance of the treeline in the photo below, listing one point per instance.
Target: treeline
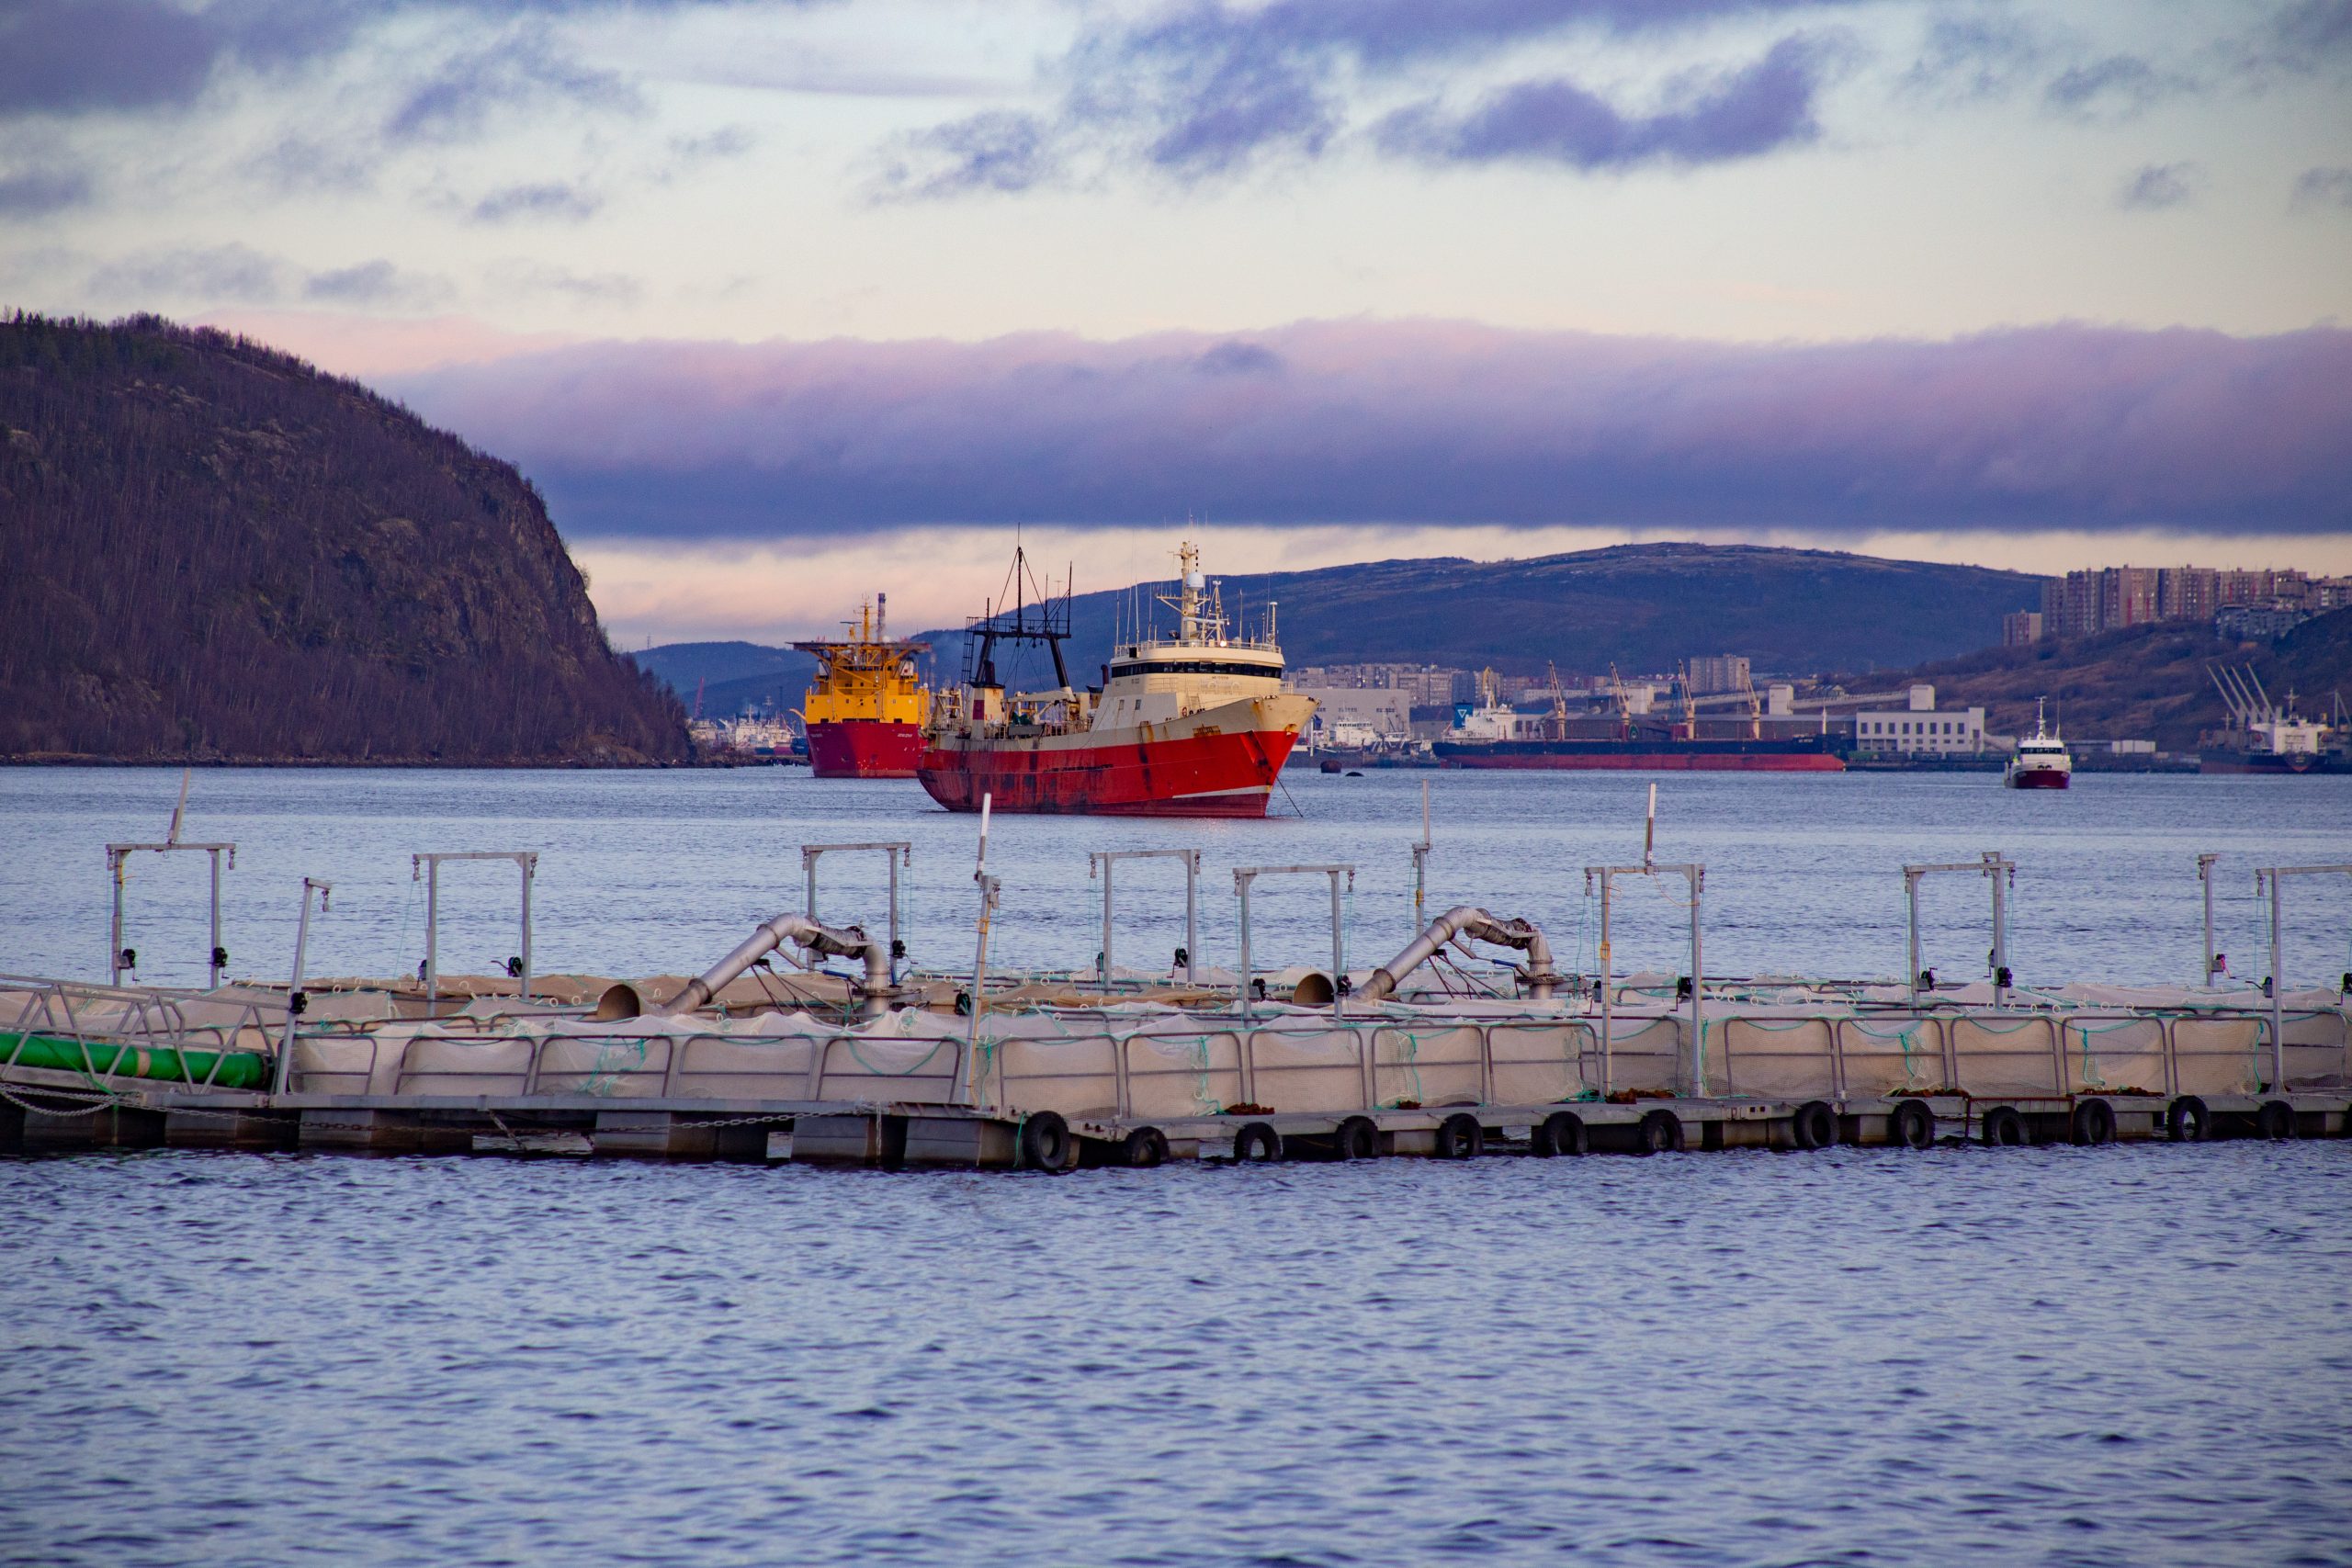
(210, 550)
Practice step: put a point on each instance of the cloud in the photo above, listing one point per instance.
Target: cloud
(2159, 185)
(1969, 57)
(63, 56)
(2323, 187)
(455, 102)
(529, 278)
(2313, 30)
(376, 282)
(232, 272)
(546, 199)
(1204, 89)
(2116, 88)
(1426, 424)
(38, 189)
(996, 151)
(1741, 114)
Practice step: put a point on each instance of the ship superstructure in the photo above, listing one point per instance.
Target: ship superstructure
(2265, 736)
(1194, 724)
(864, 710)
(1627, 737)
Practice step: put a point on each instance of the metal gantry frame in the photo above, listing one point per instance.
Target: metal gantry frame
(1697, 876)
(2003, 873)
(1105, 860)
(216, 958)
(1244, 876)
(2274, 877)
(285, 1075)
(429, 865)
(895, 853)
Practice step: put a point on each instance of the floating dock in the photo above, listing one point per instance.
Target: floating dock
(1436, 1053)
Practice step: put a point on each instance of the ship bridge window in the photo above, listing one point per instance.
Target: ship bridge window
(1195, 667)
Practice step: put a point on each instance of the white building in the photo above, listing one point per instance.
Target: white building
(1370, 714)
(1920, 727)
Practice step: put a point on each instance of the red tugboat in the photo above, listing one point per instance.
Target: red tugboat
(866, 711)
(1196, 725)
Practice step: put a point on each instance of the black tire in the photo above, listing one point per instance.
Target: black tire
(2188, 1121)
(1661, 1132)
(1144, 1149)
(2093, 1123)
(2004, 1128)
(1562, 1132)
(1045, 1143)
(1913, 1125)
(2275, 1120)
(1355, 1138)
(1459, 1137)
(1815, 1126)
(1257, 1144)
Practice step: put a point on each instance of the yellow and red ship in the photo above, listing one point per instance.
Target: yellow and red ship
(865, 712)
(1194, 724)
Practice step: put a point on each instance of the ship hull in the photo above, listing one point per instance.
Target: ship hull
(1223, 762)
(2039, 778)
(864, 748)
(2212, 762)
(1627, 756)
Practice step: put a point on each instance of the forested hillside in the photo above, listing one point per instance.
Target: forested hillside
(214, 552)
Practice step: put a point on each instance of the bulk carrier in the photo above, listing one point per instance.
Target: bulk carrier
(865, 712)
(1193, 724)
(1493, 735)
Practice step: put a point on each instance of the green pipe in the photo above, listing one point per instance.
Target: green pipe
(238, 1069)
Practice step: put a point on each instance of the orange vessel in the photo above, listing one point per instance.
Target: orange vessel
(865, 712)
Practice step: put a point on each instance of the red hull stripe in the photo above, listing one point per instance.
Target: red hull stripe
(1663, 762)
(2039, 780)
(1199, 775)
(864, 748)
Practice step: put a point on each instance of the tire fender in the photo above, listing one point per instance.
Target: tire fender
(1046, 1144)
(1562, 1132)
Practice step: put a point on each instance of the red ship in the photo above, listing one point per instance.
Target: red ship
(1196, 725)
(865, 710)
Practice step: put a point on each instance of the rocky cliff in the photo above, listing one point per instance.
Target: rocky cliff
(212, 551)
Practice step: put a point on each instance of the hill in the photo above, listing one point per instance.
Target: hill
(1642, 607)
(215, 552)
(2143, 683)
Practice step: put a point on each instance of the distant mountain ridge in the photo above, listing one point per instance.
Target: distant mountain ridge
(214, 552)
(1642, 607)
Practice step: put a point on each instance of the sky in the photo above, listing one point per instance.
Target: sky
(785, 302)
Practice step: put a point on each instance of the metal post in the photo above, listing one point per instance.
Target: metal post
(1241, 885)
(2278, 989)
(973, 1088)
(892, 860)
(1911, 894)
(114, 950)
(1698, 991)
(284, 1080)
(1993, 866)
(529, 868)
(432, 935)
(1421, 864)
(1339, 952)
(1191, 917)
(1106, 924)
(2205, 878)
(212, 957)
(1606, 1048)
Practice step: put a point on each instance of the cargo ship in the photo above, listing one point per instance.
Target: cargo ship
(2265, 736)
(865, 712)
(1496, 735)
(1195, 724)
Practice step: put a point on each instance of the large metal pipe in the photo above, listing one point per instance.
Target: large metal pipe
(1464, 920)
(875, 994)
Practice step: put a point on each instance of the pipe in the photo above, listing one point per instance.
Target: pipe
(1464, 920)
(875, 994)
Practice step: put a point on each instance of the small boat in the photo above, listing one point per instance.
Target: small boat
(2042, 762)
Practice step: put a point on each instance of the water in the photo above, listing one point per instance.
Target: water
(2126, 1355)
(2129, 1355)
(652, 873)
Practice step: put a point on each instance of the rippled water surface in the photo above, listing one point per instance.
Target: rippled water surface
(2125, 1355)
